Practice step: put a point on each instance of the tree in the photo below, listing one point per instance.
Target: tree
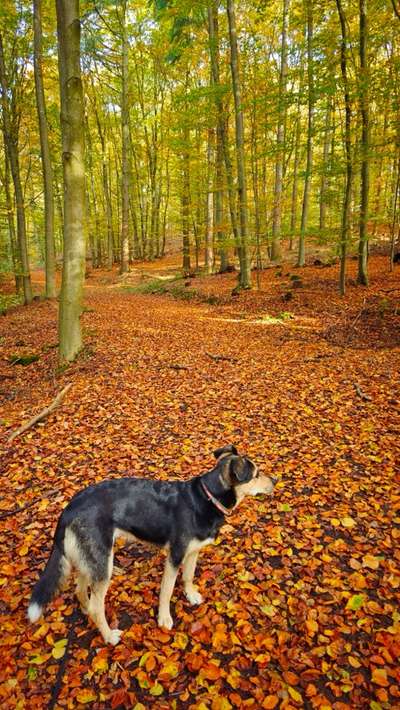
(280, 138)
(310, 128)
(344, 232)
(363, 240)
(10, 130)
(73, 149)
(50, 261)
(245, 273)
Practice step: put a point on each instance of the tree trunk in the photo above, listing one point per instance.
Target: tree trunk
(364, 192)
(50, 259)
(296, 160)
(209, 250)
(280, 141)
(310, 128)
(125, 148)
(186, 201)
(325, 159)
(73, 149)
(11, 224)
(349, 163)
(245, 272)
(222, 138)
(11, 141)
(219, 207)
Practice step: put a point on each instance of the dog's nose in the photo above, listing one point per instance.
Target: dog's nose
(274, 480)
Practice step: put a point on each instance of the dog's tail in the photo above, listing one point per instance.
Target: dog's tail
(50, 580)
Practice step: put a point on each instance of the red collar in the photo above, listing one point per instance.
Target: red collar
(221, 508)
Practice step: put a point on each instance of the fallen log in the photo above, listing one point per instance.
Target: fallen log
(42, 415)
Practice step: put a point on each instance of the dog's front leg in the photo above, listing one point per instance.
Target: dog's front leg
(189, 566)
(167, 587)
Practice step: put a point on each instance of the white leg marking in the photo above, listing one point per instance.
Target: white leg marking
(167, 587)
(97, 614)
(189, 566)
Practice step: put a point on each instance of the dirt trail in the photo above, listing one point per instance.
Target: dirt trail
(301, 591)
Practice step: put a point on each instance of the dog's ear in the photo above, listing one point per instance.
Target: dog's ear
(230, 449)
(241, 468)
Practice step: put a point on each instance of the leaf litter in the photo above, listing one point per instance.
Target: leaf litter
(301, 591)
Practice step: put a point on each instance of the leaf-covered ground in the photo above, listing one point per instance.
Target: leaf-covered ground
(302, 590)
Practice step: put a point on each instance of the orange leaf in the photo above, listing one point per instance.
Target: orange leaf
(379, 677)
(270, 702)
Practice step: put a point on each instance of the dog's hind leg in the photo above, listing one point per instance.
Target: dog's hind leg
(97, 613)
(82, 584)
(167, 587)
(189, 566)
(99, 582)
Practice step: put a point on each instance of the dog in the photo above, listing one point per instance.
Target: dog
(180, 516)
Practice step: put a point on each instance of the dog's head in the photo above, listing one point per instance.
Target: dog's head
(241, 473)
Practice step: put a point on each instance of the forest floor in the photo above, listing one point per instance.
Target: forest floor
(301, 590)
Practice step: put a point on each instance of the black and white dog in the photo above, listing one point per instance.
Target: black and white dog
(181, 516)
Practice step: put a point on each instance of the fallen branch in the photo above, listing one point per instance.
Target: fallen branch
(361, 394)
(178, 367)
(42, 415)
(14, 511)
(217, 358)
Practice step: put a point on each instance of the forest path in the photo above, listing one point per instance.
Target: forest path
(302, 590)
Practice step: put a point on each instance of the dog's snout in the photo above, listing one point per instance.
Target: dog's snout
(274, 480)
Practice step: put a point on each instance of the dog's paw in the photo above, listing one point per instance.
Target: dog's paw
(193, 596)
(113, 636)
(165, 620)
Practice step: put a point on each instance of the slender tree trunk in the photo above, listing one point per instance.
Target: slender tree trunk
(50, 259)
(276, 253)
(364, 192)
(11, 141)
(186, 200)
(245, 272)
(209, 250)
(310, 128)
(296, 161)
(125, 148)
(349, 163)
(73, 154)
(11, 224)
(378, 179)
(222, 137)
(219, 207)
(94, 235)
(325, 160)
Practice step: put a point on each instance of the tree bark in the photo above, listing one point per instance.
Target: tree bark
(73, 149)
(222, 138)
(310, 129)
(5, 178)
(325, 159)
(296, 161)
(125, 148)
(276, 253)
(209, 249)
(11, 141)
(47, 168)
(363, 238)
(185, 201)
(245, 272)
(349, 163)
